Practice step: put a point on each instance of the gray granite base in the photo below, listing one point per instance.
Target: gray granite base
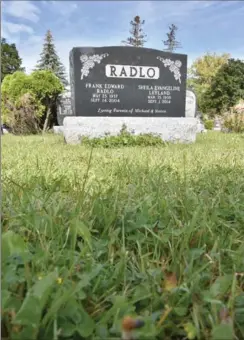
(182, 130)
(200, 127)
(58, 129)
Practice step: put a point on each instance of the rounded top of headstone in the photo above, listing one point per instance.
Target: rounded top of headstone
(94, 49)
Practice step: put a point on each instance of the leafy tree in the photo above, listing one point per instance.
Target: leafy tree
(15, 85)
(21, 109)
(204, 69)
(202, 73)
(138, 37)
(24, 115)
(10, 60)
(50, 59)
(227, 87)
(47, 88)
(171, 42)
(41, 88)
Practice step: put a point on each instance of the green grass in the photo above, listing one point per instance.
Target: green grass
(90, 236)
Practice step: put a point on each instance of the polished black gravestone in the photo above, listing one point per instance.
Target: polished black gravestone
(127, 82)
(64, 109)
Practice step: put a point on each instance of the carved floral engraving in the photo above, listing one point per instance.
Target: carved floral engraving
(89, 62)
(174, 67)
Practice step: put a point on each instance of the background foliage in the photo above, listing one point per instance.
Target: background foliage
(42, 88)
(227, 87)
(10, 59)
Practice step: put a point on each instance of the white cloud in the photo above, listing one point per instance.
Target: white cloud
(12, 31)
(62, 12)
(178, 12)
(146, 10)
(162, 10)
(66, 9)
(12, 28)
(22, 9)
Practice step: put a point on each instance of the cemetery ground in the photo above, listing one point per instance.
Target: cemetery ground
(90, 236)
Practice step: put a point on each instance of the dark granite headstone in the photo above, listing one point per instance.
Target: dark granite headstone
(127, 81)
(64, 109)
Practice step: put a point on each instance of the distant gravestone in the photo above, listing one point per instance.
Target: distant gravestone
(64, 107)
(217, 124)
(191, 104)
(127, 82)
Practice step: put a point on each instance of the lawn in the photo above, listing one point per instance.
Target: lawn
(91, 236)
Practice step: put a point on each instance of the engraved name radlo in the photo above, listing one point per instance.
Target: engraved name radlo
(129, 71)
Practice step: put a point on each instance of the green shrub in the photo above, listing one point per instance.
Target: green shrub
(22, 117)
(124, 138)
(234, 122)
(209, 124)
(43, 87)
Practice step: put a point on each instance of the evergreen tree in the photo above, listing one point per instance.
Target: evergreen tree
(138, 37)
(171, 42)
(10, 60)
(50, 60)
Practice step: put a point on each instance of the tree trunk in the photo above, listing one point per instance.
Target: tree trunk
(54, 118)
(45, 126)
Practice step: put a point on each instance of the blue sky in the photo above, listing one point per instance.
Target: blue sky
(214, 26)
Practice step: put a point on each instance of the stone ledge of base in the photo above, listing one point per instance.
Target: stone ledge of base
(67, 118)
(58, 129)
(169, 131)
(91, 120)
